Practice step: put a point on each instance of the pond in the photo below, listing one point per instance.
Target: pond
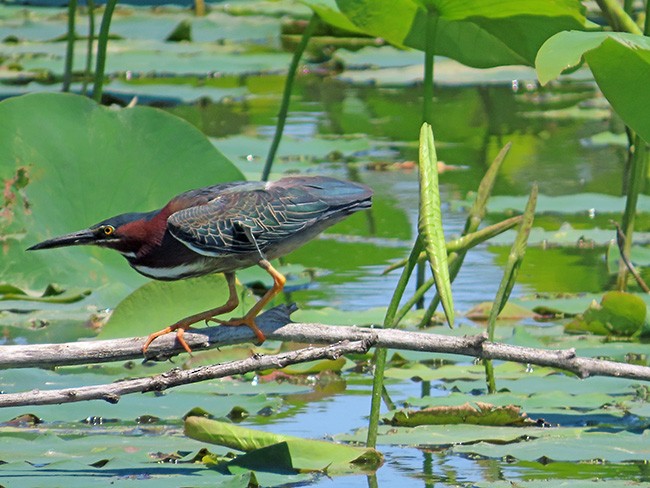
(355, 116)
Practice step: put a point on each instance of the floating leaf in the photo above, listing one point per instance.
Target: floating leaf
(479, 413)
(511, 311)
(618, 314)
(297, 453)
(51, 294)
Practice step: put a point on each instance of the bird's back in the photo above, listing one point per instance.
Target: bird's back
(244, 218)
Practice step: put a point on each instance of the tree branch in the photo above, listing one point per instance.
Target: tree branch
(176, 377)
(276, 325)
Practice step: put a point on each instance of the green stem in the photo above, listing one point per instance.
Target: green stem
(91, 38)
(646, 24)
(286, 95)
(627, 6)
(69, 51)
(515, 258)
(429, 46)
(102, 44)
(375, 397)
(380, 353)
(616, 15)
(635, 185)
(420, 276)
(489, 376)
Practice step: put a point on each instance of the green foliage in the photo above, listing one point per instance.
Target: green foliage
(477, 33)
(157, 304)
(430, 221)
(479, 413)
(617, 314)
(620, 63)
(92, 163)
(272, 452)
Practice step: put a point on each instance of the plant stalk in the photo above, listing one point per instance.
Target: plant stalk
(102, 45)
(69, 50)
(380, 353)
(91, 39)
(618, 19)
(427, 117)
(635, 185)
(515, 258)
(286, 95)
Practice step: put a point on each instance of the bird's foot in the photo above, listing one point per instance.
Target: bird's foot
(239, 321)
(180, 331)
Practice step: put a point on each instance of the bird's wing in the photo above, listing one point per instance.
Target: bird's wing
(244, 219)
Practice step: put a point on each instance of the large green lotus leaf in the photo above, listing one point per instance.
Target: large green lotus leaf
(477, 33)
(328, 11)
(84, 163)
(620, 63)
(159, 304)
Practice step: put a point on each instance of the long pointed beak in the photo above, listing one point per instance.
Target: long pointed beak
(78, 238)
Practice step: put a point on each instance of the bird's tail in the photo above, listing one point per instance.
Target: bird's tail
(338, 194)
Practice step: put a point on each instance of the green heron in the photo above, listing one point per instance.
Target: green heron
(221, 229)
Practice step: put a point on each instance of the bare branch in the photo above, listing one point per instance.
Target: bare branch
(176, 377)
(277, 325)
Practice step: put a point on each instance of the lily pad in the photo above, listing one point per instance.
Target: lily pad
(479, 414)
(92, 163)
(618, 314)
(158, 304)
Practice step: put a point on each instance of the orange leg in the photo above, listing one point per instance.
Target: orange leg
(182, 325)
(249, 319)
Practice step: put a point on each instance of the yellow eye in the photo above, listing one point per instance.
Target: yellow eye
(108, 230)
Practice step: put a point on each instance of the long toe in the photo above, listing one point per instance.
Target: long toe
(179, 337)
(248, 322)
(180, 330)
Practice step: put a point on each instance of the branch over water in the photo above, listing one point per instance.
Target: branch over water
(276, 325)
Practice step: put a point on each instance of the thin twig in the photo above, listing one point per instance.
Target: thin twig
(176, 377)
(277, 325)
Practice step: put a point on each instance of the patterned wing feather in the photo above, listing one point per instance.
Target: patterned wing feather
(269, 214)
